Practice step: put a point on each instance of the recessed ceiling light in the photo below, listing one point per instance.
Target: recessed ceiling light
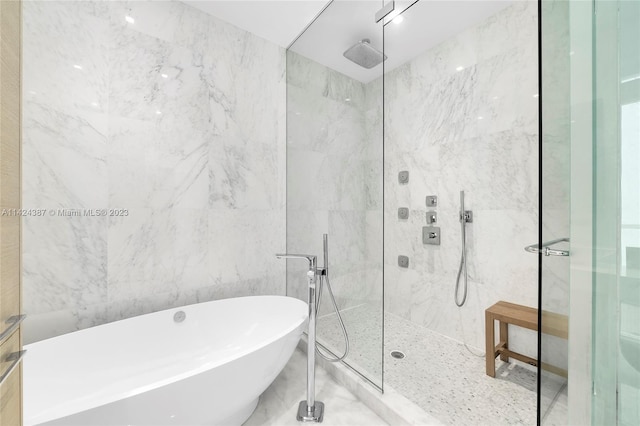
(95, 104)
(165, 76)
(460, 68)
(158, 112)
(130, 19)
(535, 96)
(78, 67)
(480, 118)
(398, 19)
(347, 99)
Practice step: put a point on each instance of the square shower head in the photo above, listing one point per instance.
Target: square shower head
(363, 54)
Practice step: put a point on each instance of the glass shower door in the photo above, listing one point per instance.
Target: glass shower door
(555, 187)
(591, 151)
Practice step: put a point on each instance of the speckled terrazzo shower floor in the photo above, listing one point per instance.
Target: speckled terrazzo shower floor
(438, 373)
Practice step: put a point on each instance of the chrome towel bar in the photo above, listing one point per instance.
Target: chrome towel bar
(546, 248)
(13, 323)
(16, 357)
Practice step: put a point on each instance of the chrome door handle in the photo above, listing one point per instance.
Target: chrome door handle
(16, 357)
(13, 323)
(546, 248)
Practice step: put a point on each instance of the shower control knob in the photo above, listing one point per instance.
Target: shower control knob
(432, 217)
(431, 235)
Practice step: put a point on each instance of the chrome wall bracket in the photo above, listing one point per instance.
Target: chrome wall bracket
(387, 9)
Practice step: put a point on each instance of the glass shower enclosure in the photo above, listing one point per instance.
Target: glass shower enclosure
(334, 178)
(458, 105)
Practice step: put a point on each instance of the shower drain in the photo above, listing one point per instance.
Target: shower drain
(397, 354)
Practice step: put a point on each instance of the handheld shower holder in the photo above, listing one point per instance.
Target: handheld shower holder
(466, 216)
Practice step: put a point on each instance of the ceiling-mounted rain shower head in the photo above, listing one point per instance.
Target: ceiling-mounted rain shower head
(364, 55)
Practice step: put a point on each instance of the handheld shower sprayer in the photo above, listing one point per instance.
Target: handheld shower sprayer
(466, 216)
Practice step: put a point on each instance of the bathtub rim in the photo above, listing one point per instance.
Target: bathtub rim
(82, 404)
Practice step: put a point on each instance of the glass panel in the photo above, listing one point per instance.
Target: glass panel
(606, 213)
(591, 96)
(616, 287)
(629, 284)
(555, 207)
(461, 114)
(334, 176)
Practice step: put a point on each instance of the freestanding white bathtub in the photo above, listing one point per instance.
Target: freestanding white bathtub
(208, 369)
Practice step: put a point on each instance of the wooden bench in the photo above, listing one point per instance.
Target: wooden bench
(523, 316)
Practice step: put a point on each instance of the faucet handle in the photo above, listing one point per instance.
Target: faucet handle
(432, 217)
(311, 258)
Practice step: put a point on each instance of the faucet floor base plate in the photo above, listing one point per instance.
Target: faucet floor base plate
(315, 416)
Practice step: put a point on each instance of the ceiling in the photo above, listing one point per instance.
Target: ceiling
(426, 24)
(279, 21)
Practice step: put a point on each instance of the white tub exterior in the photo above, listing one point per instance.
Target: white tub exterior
(209, 369)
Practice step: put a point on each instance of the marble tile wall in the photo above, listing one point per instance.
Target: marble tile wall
(463, 116)
(329, 172)
(177, 118)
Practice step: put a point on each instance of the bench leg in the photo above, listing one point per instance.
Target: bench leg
(490, 356)
(504, 337)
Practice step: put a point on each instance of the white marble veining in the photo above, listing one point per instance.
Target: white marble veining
(173, 115)
(463, 116)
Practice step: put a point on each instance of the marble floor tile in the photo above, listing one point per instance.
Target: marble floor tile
(279, 403)
(440, 375)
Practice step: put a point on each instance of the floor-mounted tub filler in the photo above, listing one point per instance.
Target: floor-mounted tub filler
(311, 410)
(200, 364)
